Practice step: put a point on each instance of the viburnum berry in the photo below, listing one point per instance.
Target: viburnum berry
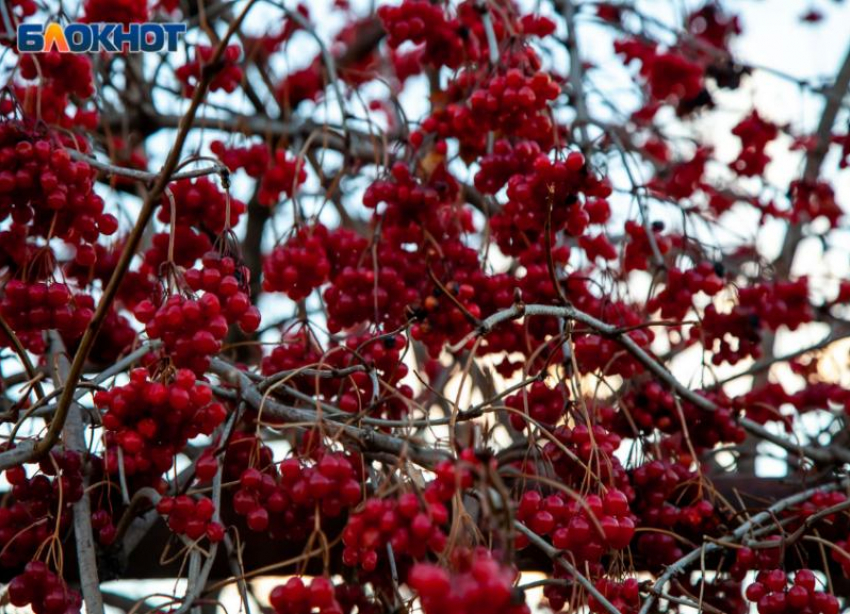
(200, 203)
(299, 265)
(298, 597)
(43, 591)
(772, 594)
(480, 581)
(409, 527)
(284, 175)
(151, 421)
(42, 187)
(192, 517)
(226, 78)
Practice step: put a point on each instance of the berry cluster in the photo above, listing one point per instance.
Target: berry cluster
(296, 597)
(411, 527)
(423, 23)
(283, 176)
(225, 279)
(200, 203)
(43, 188)
(773, 595)
(301, 85)
(676, 298)
(625, 596)
(192, 517)
(480, 582)
(227, 77)
(575, 449)
(588, 528)
(669, 75)
(254, 159)
(812, 200)
(329, 486)
(541, 403)
(30, 309)
(765, 305)
(182, 247)
(298, 266)
(191, 330)
(29, 521)
(761, 559)
(755, 134)
(652, 407)
(115, 11)
(665, 503)
(151, 421)
(43, 591)
(65, 73)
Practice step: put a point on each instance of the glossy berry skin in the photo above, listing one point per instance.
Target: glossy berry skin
(773, 595)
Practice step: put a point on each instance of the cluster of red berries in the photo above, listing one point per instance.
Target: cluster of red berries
(669, 75)
(541, 403)
(588, 528)
(30, 309)
(283, 176)
(624, 595)
(592, 446)
(43, 591)
(638, 253)
(227, 280)
(354, 296)
(355, 391)
(772, 594)
(296, 597)
(479, 583)
(513, 97)
(301, 85)
(151, 421)
(182, 247)
(29, 521)
(330, 486)
(506, 160)
(383, 354)
(227, 77)
(598, 353)
(676, 298)
(115, 11)
(429, 204)
(200, 203)
(764, 305)
(549, 192)
(498, 105)
(682, 179)
(755, 133)
(192, 517)
(191, 330)
(666, 504)
(66, 73)
(103, 522)
(298, 266)
(812, 200)
(296, 349)
(760, 559)
(43, 188)
(423, 23)
(655, 407)
(254, 159)
(411, 527)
